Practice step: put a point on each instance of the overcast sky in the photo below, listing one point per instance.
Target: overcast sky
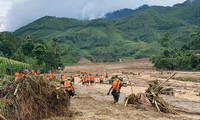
(17, 13)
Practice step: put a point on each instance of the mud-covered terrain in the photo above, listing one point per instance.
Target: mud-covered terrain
(92, 102)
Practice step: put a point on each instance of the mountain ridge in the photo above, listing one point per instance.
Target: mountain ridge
(135, 35)
(124, 12)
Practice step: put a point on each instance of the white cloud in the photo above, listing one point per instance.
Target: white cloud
(4, 8)
(17, 13)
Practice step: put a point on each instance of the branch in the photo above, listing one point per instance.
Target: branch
(2, 117)
(164, 82)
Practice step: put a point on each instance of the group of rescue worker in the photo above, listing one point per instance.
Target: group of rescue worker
(89, 79)
(117, 83)
(25, 71)
(86, 79)
(48, 76)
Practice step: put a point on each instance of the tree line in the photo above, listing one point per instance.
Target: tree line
(183, 58)
(39, 54)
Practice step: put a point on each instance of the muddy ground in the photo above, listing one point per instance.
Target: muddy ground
(92, 103)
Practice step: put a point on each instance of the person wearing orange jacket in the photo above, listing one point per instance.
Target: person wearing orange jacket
(51, 75)
(91, 79)
(101, 79)
(68, 85)
(17, 75)
(63, 79)
(83, 80)
(116, 87)
(46, 77)
(32, 72)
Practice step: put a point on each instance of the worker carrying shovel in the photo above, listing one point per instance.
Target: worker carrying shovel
(116, 86)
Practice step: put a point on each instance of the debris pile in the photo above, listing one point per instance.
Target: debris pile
(152, 94)
(151, 97)
(140, 100)
(33, 98)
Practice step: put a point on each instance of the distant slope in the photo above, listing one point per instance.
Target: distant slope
(152, 23)
(47, 25)
(188, 11)
(98, 42)
(124, 12)
(135, 35)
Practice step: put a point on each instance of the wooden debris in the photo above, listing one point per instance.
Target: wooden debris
(163, 82)
(168, 91)
(16, 89)
(130, 84)
(126, 102)
(152, 97)
(138, 100)
(28, 95)
(2, 117)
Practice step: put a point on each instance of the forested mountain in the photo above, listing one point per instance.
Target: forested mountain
(135, 35)
(124, 12)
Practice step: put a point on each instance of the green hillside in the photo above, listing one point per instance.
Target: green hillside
(136, 35)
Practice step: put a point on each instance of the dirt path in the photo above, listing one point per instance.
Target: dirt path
(92, 102)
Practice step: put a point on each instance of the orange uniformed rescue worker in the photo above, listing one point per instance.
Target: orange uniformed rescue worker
(63, 79)
(83, 80)
(51, 75)
(101, 78)
(17, 75)
(32, 72)
(69, 87)
(116, 86)
(91, 79)
(46, 77)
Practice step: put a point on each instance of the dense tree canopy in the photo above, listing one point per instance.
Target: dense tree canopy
(29, 50)
(176, 59)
